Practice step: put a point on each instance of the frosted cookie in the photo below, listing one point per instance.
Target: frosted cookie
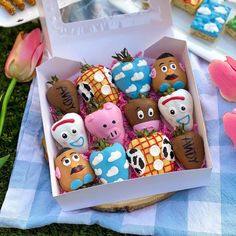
(210, 20)
(190, 6)
(231, 28)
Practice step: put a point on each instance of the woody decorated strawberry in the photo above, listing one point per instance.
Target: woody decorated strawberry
(96, 81)
(131, 75)
(151, 154)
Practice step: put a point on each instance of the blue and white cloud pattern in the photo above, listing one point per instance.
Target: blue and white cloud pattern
(132, 78)
(110, 164)
(210, 18)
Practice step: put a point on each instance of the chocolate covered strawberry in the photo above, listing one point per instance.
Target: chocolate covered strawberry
(63, 96)
(131, 75)
(151, 155)
(142, 113)
(188, 148)
(96, 81)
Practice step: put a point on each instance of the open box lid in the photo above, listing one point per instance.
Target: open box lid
(86, 40)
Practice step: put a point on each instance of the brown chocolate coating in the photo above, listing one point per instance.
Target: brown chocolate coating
(63, 96)
(141, 110)
(72, 166)
(189, 150)
(168, 71)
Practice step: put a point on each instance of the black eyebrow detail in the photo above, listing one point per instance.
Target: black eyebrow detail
(137, 108)
(162, 64)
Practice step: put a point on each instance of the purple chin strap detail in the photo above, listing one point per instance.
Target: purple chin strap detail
(149, 125)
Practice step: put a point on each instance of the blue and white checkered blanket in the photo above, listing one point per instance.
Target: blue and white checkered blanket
(203, 211)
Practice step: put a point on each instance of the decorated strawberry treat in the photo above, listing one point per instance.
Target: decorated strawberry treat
(63, 96)
(70, 132)
(177, 109)
(168, 73)
(131, 75)
(142, 113)
(151, 155)
(96, 81)
(110, 163)
(188, 148)
(106, 123)
(73, 170)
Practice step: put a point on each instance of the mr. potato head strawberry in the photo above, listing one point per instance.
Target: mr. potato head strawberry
(72, 170)
(63, 95)
(168, 73)
(142, 113)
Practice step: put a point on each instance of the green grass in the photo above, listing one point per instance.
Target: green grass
(8, 142)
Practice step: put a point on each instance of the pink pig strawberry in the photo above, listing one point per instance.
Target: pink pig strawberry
(223, 74)
(106, 123)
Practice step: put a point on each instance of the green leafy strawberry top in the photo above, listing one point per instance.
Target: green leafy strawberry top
(123, 56)
(179, 131)
(53, 80)
(145, 133)
(101, 144)
(85, 67)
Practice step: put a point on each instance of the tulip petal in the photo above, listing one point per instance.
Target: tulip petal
(11, 56)
(37, 57)
(31, 41)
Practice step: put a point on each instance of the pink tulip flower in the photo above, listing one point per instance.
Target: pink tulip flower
(20, 66)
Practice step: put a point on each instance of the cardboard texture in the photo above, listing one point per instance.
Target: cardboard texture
(96, 45)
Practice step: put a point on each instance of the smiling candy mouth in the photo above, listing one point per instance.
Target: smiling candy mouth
(77, 169)
(185, 118)
(171, 77)
(77, 143)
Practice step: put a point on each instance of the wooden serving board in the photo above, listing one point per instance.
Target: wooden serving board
(133, 205)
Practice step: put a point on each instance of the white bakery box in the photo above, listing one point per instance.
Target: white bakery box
(95, 41)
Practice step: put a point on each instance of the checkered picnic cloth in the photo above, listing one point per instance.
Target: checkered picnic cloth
(202, 211)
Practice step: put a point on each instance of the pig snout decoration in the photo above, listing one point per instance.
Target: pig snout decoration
(106, 123)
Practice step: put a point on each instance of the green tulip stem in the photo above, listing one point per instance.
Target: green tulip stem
(5, 103)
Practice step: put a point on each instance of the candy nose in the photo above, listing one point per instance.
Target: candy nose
(74, 164)
(114, 133)
(169, 72)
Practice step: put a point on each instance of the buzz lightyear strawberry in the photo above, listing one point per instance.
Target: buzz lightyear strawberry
(151, 154)
(109, 163)
(106, 123)
(131, 75)
(70, 132)
(177, 109)
(96, 81)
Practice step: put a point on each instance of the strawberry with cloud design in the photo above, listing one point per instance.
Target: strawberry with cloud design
(131, 75)
(110, 163)
(223, 74)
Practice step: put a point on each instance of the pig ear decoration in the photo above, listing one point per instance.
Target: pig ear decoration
(89, 118)
(108, 106)
(58, 173)
(182, 66)
(229, 120)
(231, 62)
